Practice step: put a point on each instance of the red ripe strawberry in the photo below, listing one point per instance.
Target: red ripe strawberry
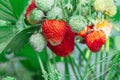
(30, 8)
(54, 31)
(67, 45)
(95, 40)
(84, 32)
(106, 26)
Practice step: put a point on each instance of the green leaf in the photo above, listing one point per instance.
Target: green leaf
(12, 40)
(19, 40)
(7, 33)
(11, 10)
(19, 6)
(6, 11)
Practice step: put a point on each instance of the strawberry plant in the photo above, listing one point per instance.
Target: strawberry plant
(59, 39)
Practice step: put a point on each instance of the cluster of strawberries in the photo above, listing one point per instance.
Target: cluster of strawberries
(60, 38)
(95, 36)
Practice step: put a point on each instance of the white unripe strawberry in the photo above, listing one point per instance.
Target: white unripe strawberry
(35, 16)
(77, 23)
(54, 13)
(38, 42)
(99, 5)
(44, 5)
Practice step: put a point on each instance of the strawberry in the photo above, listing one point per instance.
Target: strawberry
(83, 33)
(67, 45)
(30, 8)
(106, 6)
(111, 11)
(54, 31)
(105, 26)
(110, 7)
(54, 13)
(77, 23)
(95, 40)
(35, 16)
(99, 5)
(38, 42)
(44, 5)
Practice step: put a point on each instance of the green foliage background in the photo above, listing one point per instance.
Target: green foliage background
(19, 56)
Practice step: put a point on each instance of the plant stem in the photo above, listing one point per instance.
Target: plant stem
(77, 67)
(87, 66)
(107, 51)
(64, 11)
(72, 65)
(52, 72)
(67, 73)
(113, 64)
(107, 47)
(96, 60)
(54, 61)
(45, 76)
(84, 58)
(101, 57)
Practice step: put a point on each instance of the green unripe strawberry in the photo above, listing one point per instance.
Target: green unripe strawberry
(38, 42)
(110, 7)
(35, 16)
(44, 5)
(106, 6)
(54, 13)
(99, 5)
(77, 23)
(111, 12)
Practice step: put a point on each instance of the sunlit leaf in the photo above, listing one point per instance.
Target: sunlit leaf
(18, 41)
(6, 35)
(11, 10)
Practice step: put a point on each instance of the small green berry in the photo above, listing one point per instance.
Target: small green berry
(77, 23)
(44, 5)
(38, 42)
(35, 16)
(54, 13)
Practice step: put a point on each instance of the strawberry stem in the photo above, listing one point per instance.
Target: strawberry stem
(87, 66)
(82, 54)
(107, 51)
(54, 61)
(67, 73)
(76, 65)
(45, 76)
(64, 11)
(96, 60)
(101, 58)
(72, 65)
(52, 71)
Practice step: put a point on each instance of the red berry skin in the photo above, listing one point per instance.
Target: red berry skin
(67, 45)
(84, 32)
(30, 8)
(54, 31)
(95, 40)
